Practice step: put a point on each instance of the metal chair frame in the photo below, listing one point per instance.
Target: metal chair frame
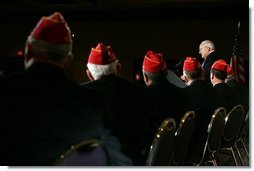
(212, 152)
(165, 132)
(86, 144)
(231, 142)
(188, 118)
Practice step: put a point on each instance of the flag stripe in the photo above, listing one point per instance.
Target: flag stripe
(237, 61)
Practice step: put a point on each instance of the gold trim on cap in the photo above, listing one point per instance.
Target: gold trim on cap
(151, 59)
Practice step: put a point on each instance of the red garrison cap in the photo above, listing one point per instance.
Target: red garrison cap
(191, 64)
(222, 65)
(101, 55)
(52, 29)
(154, 62)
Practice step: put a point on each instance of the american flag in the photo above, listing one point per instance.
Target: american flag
(237, 61)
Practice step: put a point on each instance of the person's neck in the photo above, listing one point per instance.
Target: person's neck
(218, 82)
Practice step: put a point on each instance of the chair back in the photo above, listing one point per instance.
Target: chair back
(162, 146)
(183, 138)
(88, 152)
(215, 130)
(234, 121)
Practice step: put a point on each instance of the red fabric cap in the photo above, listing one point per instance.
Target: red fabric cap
(154, 62)
(191, 64)
(222, 65)
(101, 55)
(52, 29)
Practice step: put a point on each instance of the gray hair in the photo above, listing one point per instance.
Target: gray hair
(98, 71)
(57, 52)
(155, 76)
(208, 43)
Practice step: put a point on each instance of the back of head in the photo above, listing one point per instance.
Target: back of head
(154, 65)
(192, 68)
(102, 61)
(208, 43)
(220, 69)
(50, 41)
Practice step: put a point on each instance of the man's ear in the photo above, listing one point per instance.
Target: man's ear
(145, 77)
(89, 75)
(184, 78)
(212, 75)
(118, 68)
(28, 50)
(68, 61)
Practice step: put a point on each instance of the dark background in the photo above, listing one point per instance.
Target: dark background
(173, 27)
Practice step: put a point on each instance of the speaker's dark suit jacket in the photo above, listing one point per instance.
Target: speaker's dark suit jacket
(207, 64)
(43, 113)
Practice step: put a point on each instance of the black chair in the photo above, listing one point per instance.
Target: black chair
(214, 136)
(85, 153)
(243, 138)
(234, 121)
(183, 137)
(162, 146)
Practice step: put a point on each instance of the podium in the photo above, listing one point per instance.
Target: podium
(174, 79)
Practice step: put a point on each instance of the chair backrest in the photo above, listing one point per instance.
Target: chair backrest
(88, 152)
(215, 130)
(183, 137)
(234, 120)
(162, 146)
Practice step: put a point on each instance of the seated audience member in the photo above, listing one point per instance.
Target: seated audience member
(42, 112)
(169, 100)
(126, 103)
(241, 90)
(219, 71)
(204, 100)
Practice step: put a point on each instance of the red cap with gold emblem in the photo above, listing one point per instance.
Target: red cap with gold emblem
(222, 65)
(52, 29)
(191, 64)
(154, 62)
(101, 55)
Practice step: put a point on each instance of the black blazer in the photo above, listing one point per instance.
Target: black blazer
(204, 101)
(242, 91)
(207, 64)
(128, 113)
(229, 95)
(43, 113)
(169, 101)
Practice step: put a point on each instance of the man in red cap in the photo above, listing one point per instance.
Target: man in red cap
(241, 90)
(169, 100)
(204, 100)
(126, 103)
(43, 113)
(219, 71)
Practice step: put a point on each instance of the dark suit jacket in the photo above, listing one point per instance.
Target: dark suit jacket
(42, 114)
(242, 91)
(207, 64)
(169, 100)
(204, 100)
(229, 95)
(128, 113)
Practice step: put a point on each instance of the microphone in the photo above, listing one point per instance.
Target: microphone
(179, 63)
